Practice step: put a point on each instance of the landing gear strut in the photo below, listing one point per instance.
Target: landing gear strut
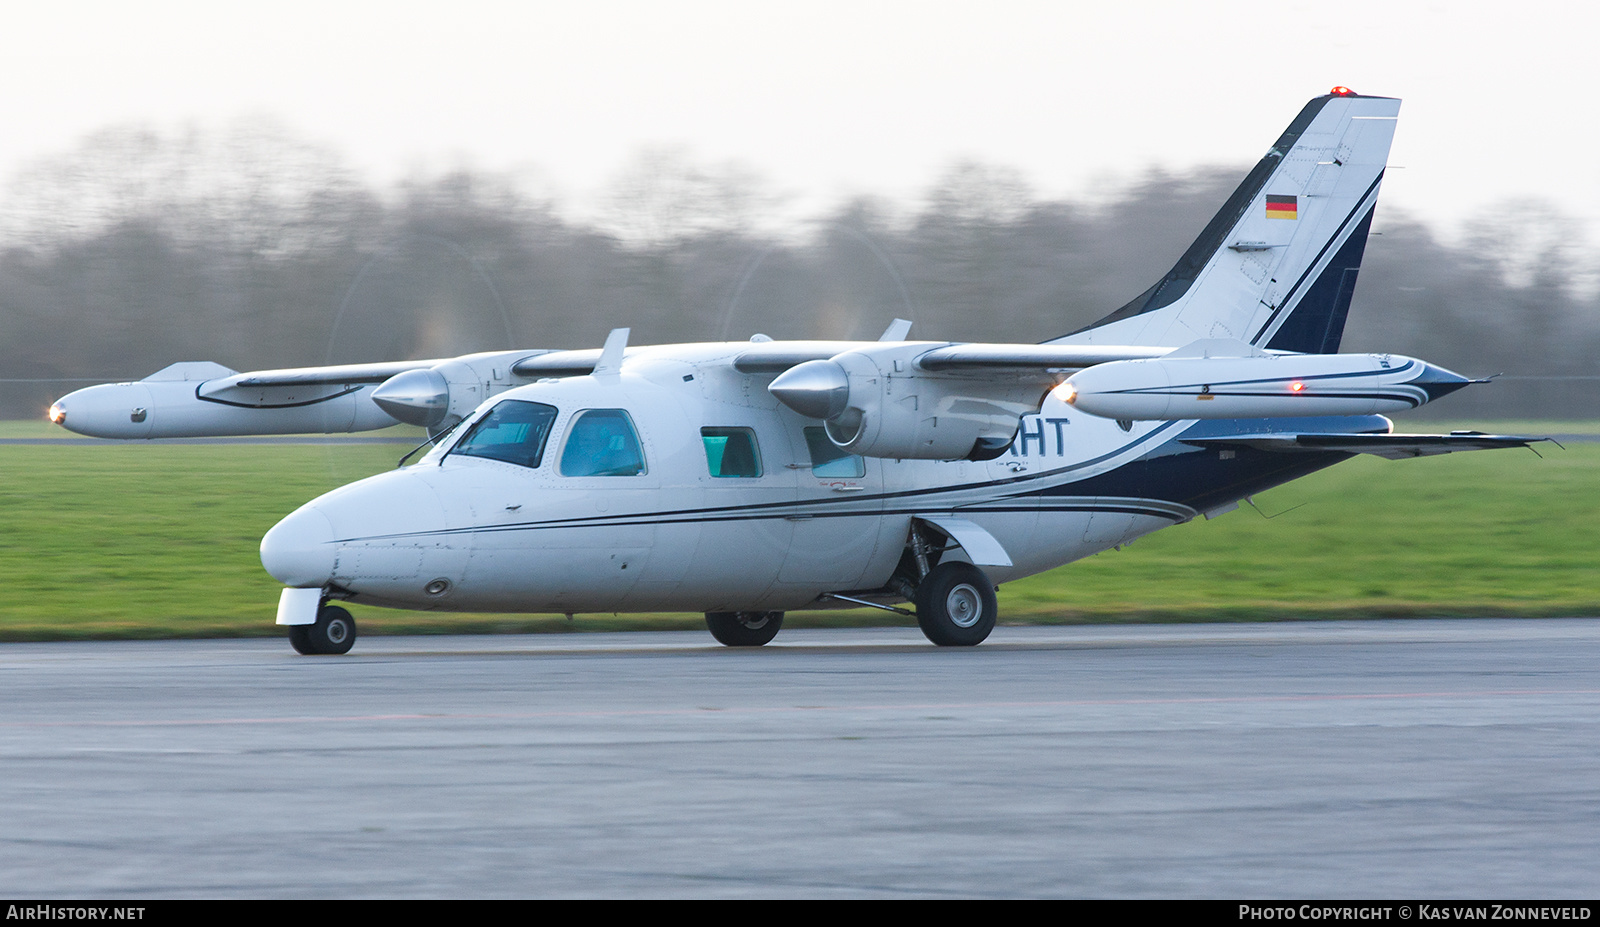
(334, 632)
(744, 629)
(955, 605)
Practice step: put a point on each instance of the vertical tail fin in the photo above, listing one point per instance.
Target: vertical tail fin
(1276, 266)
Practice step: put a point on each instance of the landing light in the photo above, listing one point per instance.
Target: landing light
(57, 414)
(1066, 392)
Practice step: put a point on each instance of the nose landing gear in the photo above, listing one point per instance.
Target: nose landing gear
(334, 632)
(744, 629)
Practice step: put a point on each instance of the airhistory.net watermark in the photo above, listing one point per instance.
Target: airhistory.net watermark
(51, 912)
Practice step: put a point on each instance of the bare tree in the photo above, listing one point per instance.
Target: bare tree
(251, 248)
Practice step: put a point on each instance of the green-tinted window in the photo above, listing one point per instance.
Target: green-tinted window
(828, 461)
(731, 451)
(512, 431)
(602, 442)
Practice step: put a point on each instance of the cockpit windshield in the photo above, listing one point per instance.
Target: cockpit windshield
(513, 431)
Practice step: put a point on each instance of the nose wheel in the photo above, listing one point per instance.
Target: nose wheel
(744, 629)
(334, 632)
(955, 605)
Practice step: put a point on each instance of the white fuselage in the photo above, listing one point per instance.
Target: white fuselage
(463, 532)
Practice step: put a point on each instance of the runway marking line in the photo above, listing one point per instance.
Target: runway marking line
(910, 706)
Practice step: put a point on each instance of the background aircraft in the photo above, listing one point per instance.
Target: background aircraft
(751, 478)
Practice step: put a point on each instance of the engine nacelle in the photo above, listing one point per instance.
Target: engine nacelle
(1262, 386)
(877, 402)
(446, 393)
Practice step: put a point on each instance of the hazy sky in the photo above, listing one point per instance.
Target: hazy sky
(826, 99)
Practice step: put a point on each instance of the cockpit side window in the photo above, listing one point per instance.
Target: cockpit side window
(731, 452)
(602, 442)
(513, 431)
(828, 461)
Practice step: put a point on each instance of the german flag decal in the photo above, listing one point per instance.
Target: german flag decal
(1282, 207)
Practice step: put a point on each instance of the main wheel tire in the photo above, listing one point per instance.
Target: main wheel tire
(955, 605)
(300, 639)
(744, 629)
(334, 632)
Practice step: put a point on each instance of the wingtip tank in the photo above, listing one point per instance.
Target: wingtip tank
(1265, 386)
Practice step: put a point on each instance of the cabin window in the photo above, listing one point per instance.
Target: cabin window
(731, 452)
(602, 442)
(512, 431)
(830, 462)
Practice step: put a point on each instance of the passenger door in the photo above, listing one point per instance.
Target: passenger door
(836, 520)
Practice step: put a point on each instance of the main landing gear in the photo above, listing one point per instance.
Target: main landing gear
(744, 629)
(955, 602)
(954, 599)
(334, 632)
(955, 605)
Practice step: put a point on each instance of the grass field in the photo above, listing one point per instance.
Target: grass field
(149, 540)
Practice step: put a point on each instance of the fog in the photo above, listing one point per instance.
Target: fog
(254, 249)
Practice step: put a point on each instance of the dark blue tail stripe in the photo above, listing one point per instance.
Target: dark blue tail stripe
(1316, 324)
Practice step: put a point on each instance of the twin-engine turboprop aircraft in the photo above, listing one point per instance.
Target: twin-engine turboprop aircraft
(747, 479)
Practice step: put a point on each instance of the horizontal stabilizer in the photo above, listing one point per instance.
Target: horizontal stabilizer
(1218, 347)
(1032, 356)
(1392, 446)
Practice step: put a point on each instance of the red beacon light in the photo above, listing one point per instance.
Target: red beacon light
(1297, 386)
(1342, 92)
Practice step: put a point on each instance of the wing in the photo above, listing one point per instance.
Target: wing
(779, 356)
(926, 400)
(203, 399)
(1392, 446)
(312, 376)
(1037, 360)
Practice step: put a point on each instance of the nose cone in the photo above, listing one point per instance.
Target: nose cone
(815, 389)
(299, 550)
